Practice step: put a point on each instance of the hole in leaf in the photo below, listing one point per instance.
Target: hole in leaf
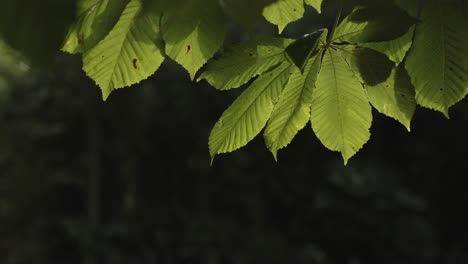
(135, 63)
(189, 48)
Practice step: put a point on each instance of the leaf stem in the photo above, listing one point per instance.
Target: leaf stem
(337, 20)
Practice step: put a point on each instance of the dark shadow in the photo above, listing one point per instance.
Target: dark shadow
(36, 28)
(384, 22)
(374, 66)
(404, 89)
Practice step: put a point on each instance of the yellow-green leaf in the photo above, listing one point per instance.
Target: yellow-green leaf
(389, 89)
(242, 63)
(317, 4)
(340, 113)
(437, 62)
(128, 54)
(283, 12)
(249, 113)
(193, 32)
(292, 112)
(397, 49)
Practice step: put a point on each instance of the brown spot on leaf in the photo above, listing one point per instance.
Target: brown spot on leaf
(189, 48)
(135, 63)
(80, 39)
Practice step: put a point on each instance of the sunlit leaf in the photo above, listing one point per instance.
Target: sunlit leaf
(242, 63)
(438, 61)
(193, 32)
(317, 4)
(129, 53)
(249, 113)
(283, 12)
(292, 112)
(397, 49)
(340, 113)
(389, 89)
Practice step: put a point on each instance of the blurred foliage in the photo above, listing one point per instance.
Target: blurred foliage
(403, 201)
(12, 67)
(36, 28)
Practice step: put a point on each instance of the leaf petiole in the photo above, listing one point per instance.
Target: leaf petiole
(335, 25)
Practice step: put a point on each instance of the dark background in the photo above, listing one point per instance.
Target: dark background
(129, 180)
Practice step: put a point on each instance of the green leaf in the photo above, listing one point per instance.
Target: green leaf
(193, 33)
(438, 63)
(249, 113)
(397, 49)
(301, 50)
(389, 89)
(340, 113)
(95, 19)
(394, 97)
(317, 4)
(292, 112)
(128, 54)
(283, 12)
(374, 23)
(372, 67)
(242, 63)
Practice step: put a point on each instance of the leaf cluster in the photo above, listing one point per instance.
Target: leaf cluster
(391, 55)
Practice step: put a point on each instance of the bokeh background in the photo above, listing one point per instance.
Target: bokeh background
(129, 180)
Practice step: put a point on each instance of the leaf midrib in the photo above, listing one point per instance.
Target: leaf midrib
(243, 113)
(296, 107)
(259, 95)
(125, 39)
(338, 105)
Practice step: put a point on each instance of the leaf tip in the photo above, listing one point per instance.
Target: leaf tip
(281, 29)
(345, 159)
(201, 77)
(408, 126)
(212, 160)
(274, 152)
(105, 94)
(192, 74)
(445, 112)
